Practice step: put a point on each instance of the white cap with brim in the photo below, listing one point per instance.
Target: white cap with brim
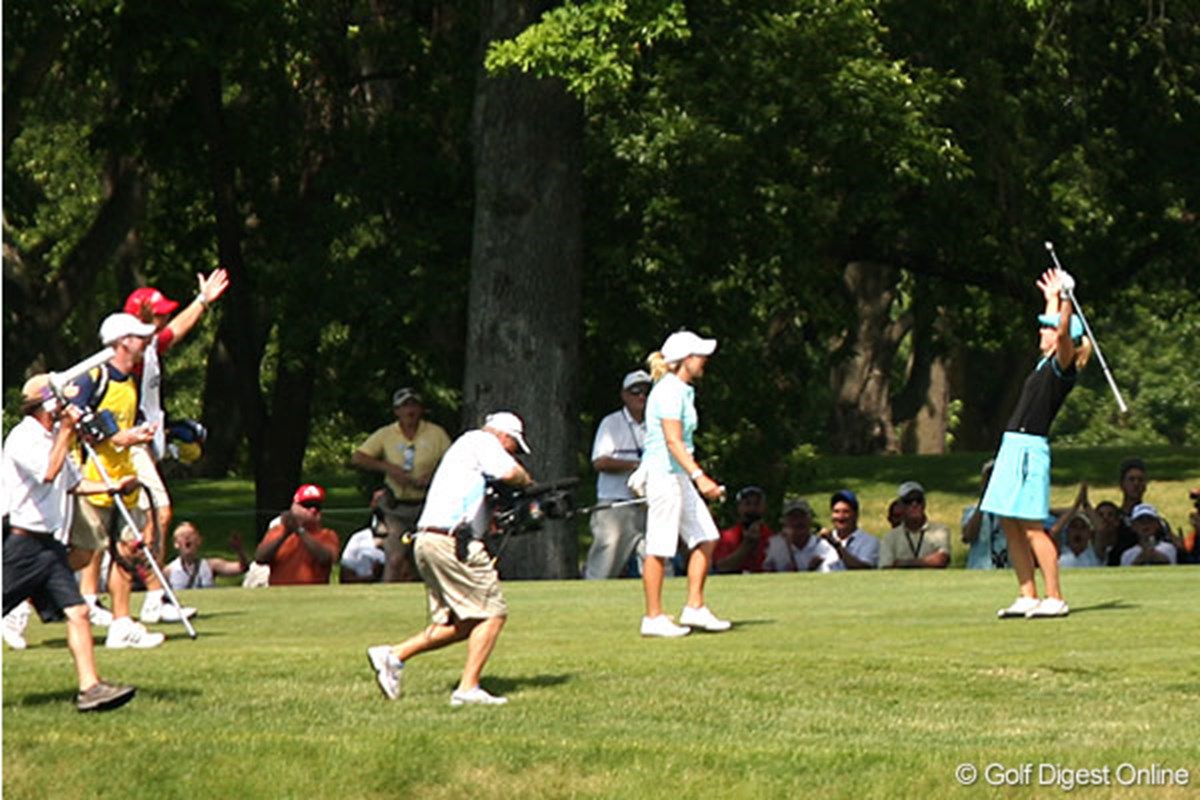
(638, 376)
(1143, 510)
(681, 344)
(908, 487)
(509, 423)
(118, 326)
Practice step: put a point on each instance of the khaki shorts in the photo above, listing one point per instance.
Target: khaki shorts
(458, 590)
(90, 525)
(149, 477)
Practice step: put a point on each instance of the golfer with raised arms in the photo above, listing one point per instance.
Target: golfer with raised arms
(674, 483)
(1019, 489)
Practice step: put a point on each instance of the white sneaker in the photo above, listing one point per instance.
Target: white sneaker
(388, 670)
(475, 697)
(704, 619)
(1048, 607)
(98, 615)
(663, 626)
(15, 623)
(169, 612)
(1020, 607)
(124, 632)
(163, 610)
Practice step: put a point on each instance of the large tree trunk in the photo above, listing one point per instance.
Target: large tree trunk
(526, 264)
(861, 419)
(231, 380)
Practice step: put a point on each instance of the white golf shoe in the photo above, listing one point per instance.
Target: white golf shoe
(125, 633)
(703, 619)
(662, 626)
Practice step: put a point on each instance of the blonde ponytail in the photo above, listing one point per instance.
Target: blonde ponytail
(658, 365)
(1083, 353)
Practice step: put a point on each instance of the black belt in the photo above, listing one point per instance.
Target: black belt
(26, 532)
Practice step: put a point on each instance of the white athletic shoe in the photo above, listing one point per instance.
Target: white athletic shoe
(15, 623)
(98, 615)
(164, 611)
(1020, 608)
(703, 619)
(124, 632)
(475, 697)
(388, 670)
(663, 626)
(1048, 607)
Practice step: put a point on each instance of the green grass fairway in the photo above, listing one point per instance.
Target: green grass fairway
(850, 685)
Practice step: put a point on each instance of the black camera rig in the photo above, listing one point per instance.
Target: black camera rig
(518, 510)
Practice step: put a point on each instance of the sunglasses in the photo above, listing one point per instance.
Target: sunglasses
(638, 390)
(913, 500)
(312, 506)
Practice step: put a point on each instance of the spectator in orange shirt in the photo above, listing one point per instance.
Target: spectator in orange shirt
(297, 548)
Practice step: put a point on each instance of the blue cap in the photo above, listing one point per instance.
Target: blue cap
(1051, 321)
(846, 496)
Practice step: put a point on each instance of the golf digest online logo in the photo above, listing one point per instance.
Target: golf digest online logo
(1069, 778)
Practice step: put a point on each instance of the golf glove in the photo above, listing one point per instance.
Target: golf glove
(1066, 282)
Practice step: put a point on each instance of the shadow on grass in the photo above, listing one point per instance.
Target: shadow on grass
(177, 635)
(508, 685)
(1110, 605)
(68, 697)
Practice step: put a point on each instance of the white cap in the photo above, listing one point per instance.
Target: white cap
(1143, 510)
(636, 377)
(908, 487)
(510, 423)
(116, 326)
(681, 344)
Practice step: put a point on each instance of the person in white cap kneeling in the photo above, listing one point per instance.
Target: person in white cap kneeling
(676, 486)
(464, 597)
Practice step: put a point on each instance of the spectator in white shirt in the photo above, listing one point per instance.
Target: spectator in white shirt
(796, 548)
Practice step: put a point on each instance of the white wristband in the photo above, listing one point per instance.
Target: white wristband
(696, 473)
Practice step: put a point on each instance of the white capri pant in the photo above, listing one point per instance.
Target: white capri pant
(676, 511)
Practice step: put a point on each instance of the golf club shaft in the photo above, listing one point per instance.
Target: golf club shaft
(137, 535)
(1112, 383)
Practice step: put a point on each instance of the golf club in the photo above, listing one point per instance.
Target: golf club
(1088, 329)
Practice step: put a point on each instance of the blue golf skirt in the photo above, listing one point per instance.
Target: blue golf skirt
(1020, 483)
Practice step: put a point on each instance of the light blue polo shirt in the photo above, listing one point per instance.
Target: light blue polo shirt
(670, 398)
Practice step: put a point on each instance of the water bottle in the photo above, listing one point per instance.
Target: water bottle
(410, 457)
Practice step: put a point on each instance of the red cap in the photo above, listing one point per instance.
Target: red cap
(147, 295)
(308, 493)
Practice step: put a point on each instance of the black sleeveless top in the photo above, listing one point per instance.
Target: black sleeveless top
(1041, 397)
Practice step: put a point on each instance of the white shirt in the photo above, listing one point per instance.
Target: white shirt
(783, 556)
(459, 486)
(180, 578)
(150, 398)
(1166, 548)
(862, 546)
(29, 501)
(1069, 560)
(360, 554)
(618, 436)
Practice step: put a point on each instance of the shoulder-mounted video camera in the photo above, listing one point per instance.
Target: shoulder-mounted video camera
(519, 510)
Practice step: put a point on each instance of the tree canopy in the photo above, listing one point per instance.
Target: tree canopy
(851, 195)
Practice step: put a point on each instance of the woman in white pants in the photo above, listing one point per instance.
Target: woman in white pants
(675, 484)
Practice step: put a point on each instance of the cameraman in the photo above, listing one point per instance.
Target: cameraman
(465, 600)
(37, 475)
